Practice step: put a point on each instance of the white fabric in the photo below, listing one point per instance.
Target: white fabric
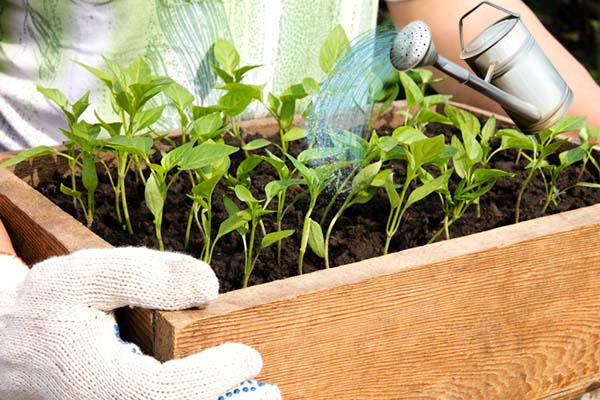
(40, 39)
(57, 331)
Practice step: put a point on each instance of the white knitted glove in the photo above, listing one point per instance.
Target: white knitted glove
(57, 331)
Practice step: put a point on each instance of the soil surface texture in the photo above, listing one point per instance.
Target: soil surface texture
(359, 234)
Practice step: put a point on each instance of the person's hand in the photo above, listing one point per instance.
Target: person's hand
(57, 331)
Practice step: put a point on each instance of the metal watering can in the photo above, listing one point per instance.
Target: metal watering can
(511, 68)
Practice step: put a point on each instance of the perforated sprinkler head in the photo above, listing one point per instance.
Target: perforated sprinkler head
(413, 47)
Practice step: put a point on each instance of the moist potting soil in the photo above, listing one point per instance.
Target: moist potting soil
(359, 233)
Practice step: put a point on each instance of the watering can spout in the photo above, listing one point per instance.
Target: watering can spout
(509, 102)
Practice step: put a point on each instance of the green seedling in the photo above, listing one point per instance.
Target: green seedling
(131, 90)
(361, 192)
(589, 137)
(475, 180)
(238, 96)
(537, 151)
(81, 148)
(253, 214)
(419, 106)
(316, 180)
(418, 151)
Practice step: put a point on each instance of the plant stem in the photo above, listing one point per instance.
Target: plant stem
(305, 231)
(394, 222)
(521, 191)
(188, 228)
(249, 261)
(330, 229)
(158, 229)
(122, 169)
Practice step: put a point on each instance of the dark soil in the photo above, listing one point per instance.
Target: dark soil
(359, 234)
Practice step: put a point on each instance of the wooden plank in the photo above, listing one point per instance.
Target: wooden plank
(38, 227)
(510, 313)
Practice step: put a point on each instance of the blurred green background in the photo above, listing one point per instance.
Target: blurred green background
(575, 23)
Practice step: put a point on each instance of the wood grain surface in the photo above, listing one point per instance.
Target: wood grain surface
(511, 313)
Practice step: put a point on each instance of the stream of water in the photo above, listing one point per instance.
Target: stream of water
(346, 98)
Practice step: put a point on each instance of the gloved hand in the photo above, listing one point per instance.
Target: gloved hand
(57, 331)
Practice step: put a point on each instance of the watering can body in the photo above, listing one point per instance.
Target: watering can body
(508, 57)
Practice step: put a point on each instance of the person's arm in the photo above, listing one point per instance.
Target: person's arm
(6, 246)
(443, 16)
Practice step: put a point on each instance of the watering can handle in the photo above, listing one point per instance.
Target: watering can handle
(489, 3)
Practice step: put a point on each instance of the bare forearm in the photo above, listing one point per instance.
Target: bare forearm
(5, 243)
(443, 19)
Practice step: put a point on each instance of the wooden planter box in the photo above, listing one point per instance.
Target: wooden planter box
(511, 313)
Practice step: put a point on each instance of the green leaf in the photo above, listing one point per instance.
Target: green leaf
(179, 95)
(274, 237)
(205, 154)
(55, 95)
(364, 196)
(108, 79)
(365, 176)
(588, 185)
(413, 93)
(390, 189)
(70, 192)
(247, 166)
(571, 156)
(273, 188)
(388, 143)
(309, 175)
(205, 188)
(139, 146)
(488, 130)
(514, 139)
(427, 150)
(390, 95)
(146, 118)
(315, 238)
(294, 92)
(256, 144)
(287, 112)
(234, 222)
(138, 71)
(153, 194)
(427, 188)
(426, 116)
(435, 99)
(295, 133)
(226, 55)
(81, 105)
(408, 135)
(552, 148)
(226, 77)
(244, 194)
(240, 72)
(230, 206)
(568, 123)
(28, 154)
(463, 120)
(470, 128)
(89, 175)
(318, 153)
(310, 86)
(208, 125)
(273, 102)
(482, 175)
(238, 97)
(459, 158)
(336, 45)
